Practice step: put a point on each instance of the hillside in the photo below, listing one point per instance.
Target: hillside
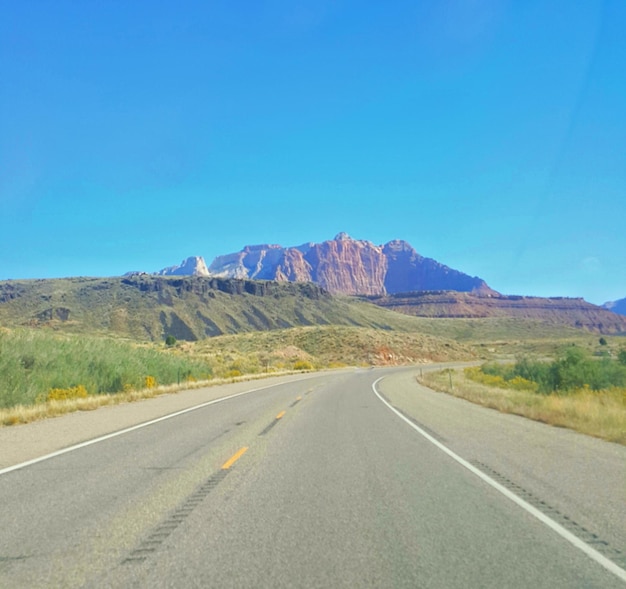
(573, 312)
(189, 308)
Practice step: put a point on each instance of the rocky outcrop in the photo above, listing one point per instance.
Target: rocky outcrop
(574, 312)
(347, 266)
(192, 266)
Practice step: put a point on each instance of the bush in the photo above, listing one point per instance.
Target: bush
(302, 365)
(170, 340)
(77, 392)
(574, 370)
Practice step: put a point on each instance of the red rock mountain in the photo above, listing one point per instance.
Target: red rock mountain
(348, 266)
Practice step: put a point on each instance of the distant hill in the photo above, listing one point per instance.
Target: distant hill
(150, 307)
(616, 306)
(573, 312)
(346, 266)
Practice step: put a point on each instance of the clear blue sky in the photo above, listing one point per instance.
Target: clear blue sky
(489, 134)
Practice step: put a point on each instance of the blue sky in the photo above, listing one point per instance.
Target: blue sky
(489, 134)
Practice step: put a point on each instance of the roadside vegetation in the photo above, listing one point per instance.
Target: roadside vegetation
(39, 368)
(44, 373)
(576, 390)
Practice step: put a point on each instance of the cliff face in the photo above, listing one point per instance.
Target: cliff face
(408, 271)
(347, 266)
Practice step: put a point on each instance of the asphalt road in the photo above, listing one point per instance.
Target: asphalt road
(318, 483)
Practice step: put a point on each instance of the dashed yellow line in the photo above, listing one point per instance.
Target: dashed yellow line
(280, 415)
(234, 458)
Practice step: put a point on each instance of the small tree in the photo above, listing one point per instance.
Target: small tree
(602, 341)
(170, 340)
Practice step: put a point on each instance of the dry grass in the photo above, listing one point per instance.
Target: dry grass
(601, 414)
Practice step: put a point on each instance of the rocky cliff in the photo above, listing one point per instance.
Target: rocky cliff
(347, 266)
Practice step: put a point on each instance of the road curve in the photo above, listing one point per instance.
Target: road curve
(316, 482)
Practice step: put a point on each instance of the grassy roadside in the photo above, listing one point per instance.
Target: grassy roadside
(21, 414)
(601, 414)
(44, 374)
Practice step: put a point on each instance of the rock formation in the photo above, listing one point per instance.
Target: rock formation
(347, 266)
(192, 266)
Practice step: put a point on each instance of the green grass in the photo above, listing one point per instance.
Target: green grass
(32, 362)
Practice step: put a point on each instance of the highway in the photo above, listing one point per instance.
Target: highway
(353, 478)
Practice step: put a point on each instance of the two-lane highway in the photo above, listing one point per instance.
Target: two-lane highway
(309, 483)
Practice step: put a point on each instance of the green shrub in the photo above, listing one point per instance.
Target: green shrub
(302, 365)
(575, 369)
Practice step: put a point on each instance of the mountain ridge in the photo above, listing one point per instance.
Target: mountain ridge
(348, 266)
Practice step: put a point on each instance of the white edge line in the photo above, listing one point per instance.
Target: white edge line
(542, 517)
(129, 429)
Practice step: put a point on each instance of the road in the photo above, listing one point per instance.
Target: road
(316, 482)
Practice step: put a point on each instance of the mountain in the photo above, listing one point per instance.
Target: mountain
(616, 306)
(347, 266)
(192, 266)
(573, 312)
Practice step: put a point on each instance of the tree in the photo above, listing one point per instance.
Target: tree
(602, 341)
(170, 340)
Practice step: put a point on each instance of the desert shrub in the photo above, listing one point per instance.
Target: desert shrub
(170, 340)
(150, 382)
(77, 392)
(521, 384)
(302, 365)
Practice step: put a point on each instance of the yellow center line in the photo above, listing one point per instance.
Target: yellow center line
(234, 458)
(280, 415)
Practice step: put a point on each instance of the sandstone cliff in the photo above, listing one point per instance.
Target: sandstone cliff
(347, 266)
